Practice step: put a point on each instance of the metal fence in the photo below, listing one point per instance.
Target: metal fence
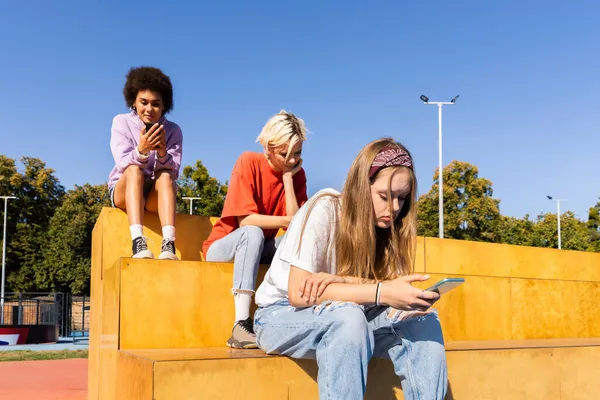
(70, 313)
(74, 315)
(28, 309)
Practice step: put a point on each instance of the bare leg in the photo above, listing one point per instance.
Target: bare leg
(162, 199)
(129, 194)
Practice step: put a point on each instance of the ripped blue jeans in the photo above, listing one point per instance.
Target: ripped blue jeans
(343, 336)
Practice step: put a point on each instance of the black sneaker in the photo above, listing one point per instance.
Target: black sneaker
(167, 250)
(242, 335)
(140, 248)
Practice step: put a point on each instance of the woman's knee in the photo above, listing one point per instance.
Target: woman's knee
(429, 328)
(349, 322)
(164, 178)
(133, 172)
(253, 234)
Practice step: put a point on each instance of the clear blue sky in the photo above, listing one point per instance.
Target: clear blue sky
(527, 73)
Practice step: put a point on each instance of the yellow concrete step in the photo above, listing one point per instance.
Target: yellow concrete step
(188, 304)
(112, 238)
(512, 293)
(443, 256)
(533, 371)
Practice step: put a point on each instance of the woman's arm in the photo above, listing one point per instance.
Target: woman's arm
(171, 159)
(265, 221)
(123, 149)
(360, 281)
(291, 202)
(357, 293)
(398, 293)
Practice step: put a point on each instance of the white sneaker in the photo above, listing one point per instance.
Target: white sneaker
(167, 250)
(140, 248)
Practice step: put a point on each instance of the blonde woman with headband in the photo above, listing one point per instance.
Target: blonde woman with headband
(265, 191)
(339, 287)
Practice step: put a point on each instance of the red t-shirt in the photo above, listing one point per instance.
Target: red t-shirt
(254, 188)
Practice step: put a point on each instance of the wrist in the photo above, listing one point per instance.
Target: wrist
(288, 177)
(161, 153)
(140, 153)
(383, 293)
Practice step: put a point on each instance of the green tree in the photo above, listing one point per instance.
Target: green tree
(516, 231)
(38, 194)
(593, 226)
(8, 174)
(470, 211)
(196, 182)
(67, 254)
(574, 235)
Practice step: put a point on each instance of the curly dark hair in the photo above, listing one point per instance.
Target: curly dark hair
(148, 78)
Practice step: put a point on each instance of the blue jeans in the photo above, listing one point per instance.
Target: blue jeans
(247, 248)
(343, 337)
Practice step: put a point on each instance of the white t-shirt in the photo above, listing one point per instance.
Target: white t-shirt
(317, 253)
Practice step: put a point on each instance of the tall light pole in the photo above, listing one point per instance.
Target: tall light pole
(191, 199)
(6, 198)
(557, 217)
(440, 104)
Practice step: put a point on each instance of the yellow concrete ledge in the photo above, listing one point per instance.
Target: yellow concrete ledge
(443, 256)
(531, 373)
(512, 294)
(448, 256)
(188, 304)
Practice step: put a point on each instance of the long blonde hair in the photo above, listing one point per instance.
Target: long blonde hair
(284, 128)
(363, 250)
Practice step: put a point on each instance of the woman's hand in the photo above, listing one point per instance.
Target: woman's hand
(161, 148)
(291, 172)
(401, 295)
(313, 285)
(149, 140)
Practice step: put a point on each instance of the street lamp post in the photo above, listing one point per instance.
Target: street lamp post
(6, 198)
(440, 104)
(191, 199)
(557, 217)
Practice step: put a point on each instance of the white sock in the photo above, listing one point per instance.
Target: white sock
(242, 306)
(168, 232)
(136, 231)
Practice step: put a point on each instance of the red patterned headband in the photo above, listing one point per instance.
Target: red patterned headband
(390, 157)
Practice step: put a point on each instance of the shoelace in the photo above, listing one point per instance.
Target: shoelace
(141, 244)
(168, 245)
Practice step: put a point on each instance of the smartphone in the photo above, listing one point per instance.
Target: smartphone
(149, 125)
(445, 285)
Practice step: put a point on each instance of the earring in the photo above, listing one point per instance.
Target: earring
(133, 108)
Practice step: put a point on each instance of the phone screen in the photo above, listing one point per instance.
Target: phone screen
(445, 285)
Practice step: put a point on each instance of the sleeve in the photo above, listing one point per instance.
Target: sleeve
(123, 148)
(309, 249)
(172, 160)
(300, 188)
(241, 199)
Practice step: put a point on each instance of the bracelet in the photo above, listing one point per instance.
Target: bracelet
(141, 155)
(377, 294)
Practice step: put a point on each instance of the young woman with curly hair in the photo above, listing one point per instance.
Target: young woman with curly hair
(147, 151)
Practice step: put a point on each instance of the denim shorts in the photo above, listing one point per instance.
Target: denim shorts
(148, 185)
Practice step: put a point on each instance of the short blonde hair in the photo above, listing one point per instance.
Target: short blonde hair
(281, 129)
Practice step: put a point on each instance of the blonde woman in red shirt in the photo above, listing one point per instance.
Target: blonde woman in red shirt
(265, 191)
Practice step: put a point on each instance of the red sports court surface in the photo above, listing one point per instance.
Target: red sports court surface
(44, 380)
